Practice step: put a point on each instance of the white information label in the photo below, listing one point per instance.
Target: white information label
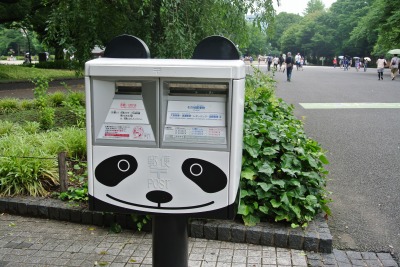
(127, 111)
(201, 113)
(138, 132)
(197, 135)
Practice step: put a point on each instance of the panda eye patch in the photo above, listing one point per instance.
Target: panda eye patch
(209, 177)
(113, 170)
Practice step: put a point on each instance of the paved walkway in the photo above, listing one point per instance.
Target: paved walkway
(32, 242)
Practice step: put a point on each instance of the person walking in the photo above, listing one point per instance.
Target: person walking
(334, 62)
(289, 66)
(380, 64)
(394, 66)
(281, 60)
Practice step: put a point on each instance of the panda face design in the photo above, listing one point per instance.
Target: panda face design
(184, 184)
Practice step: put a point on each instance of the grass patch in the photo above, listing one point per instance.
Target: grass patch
(63, 117)
(9, 73)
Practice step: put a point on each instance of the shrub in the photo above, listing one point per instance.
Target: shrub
(31, 127)
(56, 99)
(8, 105)
(6, 127)
(47, 118)
(26, 169)
(58, 64)
(27, 104)
(283, 177)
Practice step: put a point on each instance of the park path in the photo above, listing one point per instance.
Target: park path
(357, 119)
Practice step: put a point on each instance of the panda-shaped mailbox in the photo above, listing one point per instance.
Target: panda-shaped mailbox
(165, 135)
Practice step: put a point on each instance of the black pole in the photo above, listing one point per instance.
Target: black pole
(170, 240)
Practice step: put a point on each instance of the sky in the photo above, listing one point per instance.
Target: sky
(297, 6)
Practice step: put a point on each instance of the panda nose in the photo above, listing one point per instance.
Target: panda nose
(159, 197)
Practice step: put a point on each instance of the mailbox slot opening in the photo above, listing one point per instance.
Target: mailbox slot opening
(128, 88)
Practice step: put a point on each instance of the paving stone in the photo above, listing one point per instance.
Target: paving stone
(296, 239)
(311, 241)
(325, 243)
(354, 255)
(389, 263)
(97, 218)
(211, 230)
(267, 235)
(12, 206)
(224, 232)
(253, 235)
(369, 256)
(341, 256)
(238, 233)
(22, 208)
(86, 217)
(281, 237)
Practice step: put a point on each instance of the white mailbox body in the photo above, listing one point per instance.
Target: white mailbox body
(164, 136)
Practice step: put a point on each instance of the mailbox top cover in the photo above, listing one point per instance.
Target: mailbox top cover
(174, 68)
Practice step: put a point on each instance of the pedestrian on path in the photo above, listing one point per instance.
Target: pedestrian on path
(394, 66)
(289, 66)
(380, 64)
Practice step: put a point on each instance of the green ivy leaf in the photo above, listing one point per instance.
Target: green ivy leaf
(275, 203)
(248, 174)
(243, 209)
(263, 209)
(323, 159)
(266, 187)
(266, 168)
(281, 183)
(250, 220)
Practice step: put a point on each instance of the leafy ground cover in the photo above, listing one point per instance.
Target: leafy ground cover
(283, 175)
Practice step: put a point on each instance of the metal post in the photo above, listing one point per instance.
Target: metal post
(170, 240)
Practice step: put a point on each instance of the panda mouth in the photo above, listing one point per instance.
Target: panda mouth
(159, 205)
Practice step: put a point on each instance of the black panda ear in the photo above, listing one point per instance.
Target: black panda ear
(126, 46)
(217, 48)
(209, 177)
(112, 171)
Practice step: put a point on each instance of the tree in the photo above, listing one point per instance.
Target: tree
(171, 28)
(314, 6)
(282, 21)
(378, 30)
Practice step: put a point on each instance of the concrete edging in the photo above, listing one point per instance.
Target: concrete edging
(316, 237)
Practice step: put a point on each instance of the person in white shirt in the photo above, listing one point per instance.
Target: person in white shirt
(380, 64)
(297, 58)
(394, 66)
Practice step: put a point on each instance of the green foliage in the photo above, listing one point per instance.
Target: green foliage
(8, 105)
(140, 220)
(56, 99)
(28, 162)
(20, 73)
(283, 177)
(75, 194)
(78, 191)
(75, 102)
(46, 118)
(58, 64)
(40, 91)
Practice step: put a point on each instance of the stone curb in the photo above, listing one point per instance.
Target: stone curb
(316, 237)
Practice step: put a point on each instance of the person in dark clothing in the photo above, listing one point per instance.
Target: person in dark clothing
(281, 59)
(289, 66)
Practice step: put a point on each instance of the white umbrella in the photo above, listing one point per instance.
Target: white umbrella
(367, 59)
(340, 57)
(356, 57)
(394, 51)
